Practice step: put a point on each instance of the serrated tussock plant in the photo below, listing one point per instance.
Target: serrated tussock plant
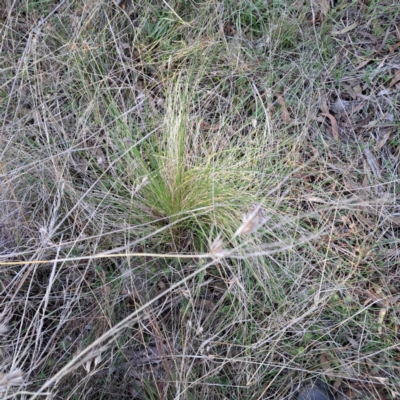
(185, 183)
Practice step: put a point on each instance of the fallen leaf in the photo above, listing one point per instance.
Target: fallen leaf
(389, 117)
(380, 379)
(385, 92)
(205, 304)
(315, 199)
(378, 27)
(349, 394)
(394, 299)
(349, 90)
(204, 125)
(394, 47)
(395, 79)
(324, 361)
(394, 219)
(382, 45)
(323, 103)
(338, 382)
(345, 29)
(229, 29)
(370, 125)
(365, 62)
(285, 112)
(353, 343)
(334, 126)
(348, 106)
(383, 136)
(373, 164)
(323, 5)
(151, 354)
(358, 89)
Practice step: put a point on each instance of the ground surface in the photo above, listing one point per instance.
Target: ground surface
(199, 200)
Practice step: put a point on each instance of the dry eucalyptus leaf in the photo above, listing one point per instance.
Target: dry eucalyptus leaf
(365, 62)
(385, 92)
(370, 125)
(383, 136)
(354, 344)
(373, 164)
(394, 219)
(345, 29)
(338, 382)
(150, 355)
(394, 299)
(395, 79)
(348, 106)
(285, 113)
(349, 90)
(323, 104)
(334, 126)
(381, 317)
(324, 361)
(380, 379)
(204, 304)
(358, 89)
(394, 47)
(314, 199)
(389, 117)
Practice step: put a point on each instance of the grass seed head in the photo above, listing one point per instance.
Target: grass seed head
(13, 378)
(252, 221)
(217, 248)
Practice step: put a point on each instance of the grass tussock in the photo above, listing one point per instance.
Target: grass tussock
(199, 200)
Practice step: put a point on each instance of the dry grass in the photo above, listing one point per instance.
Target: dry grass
(199, 200)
